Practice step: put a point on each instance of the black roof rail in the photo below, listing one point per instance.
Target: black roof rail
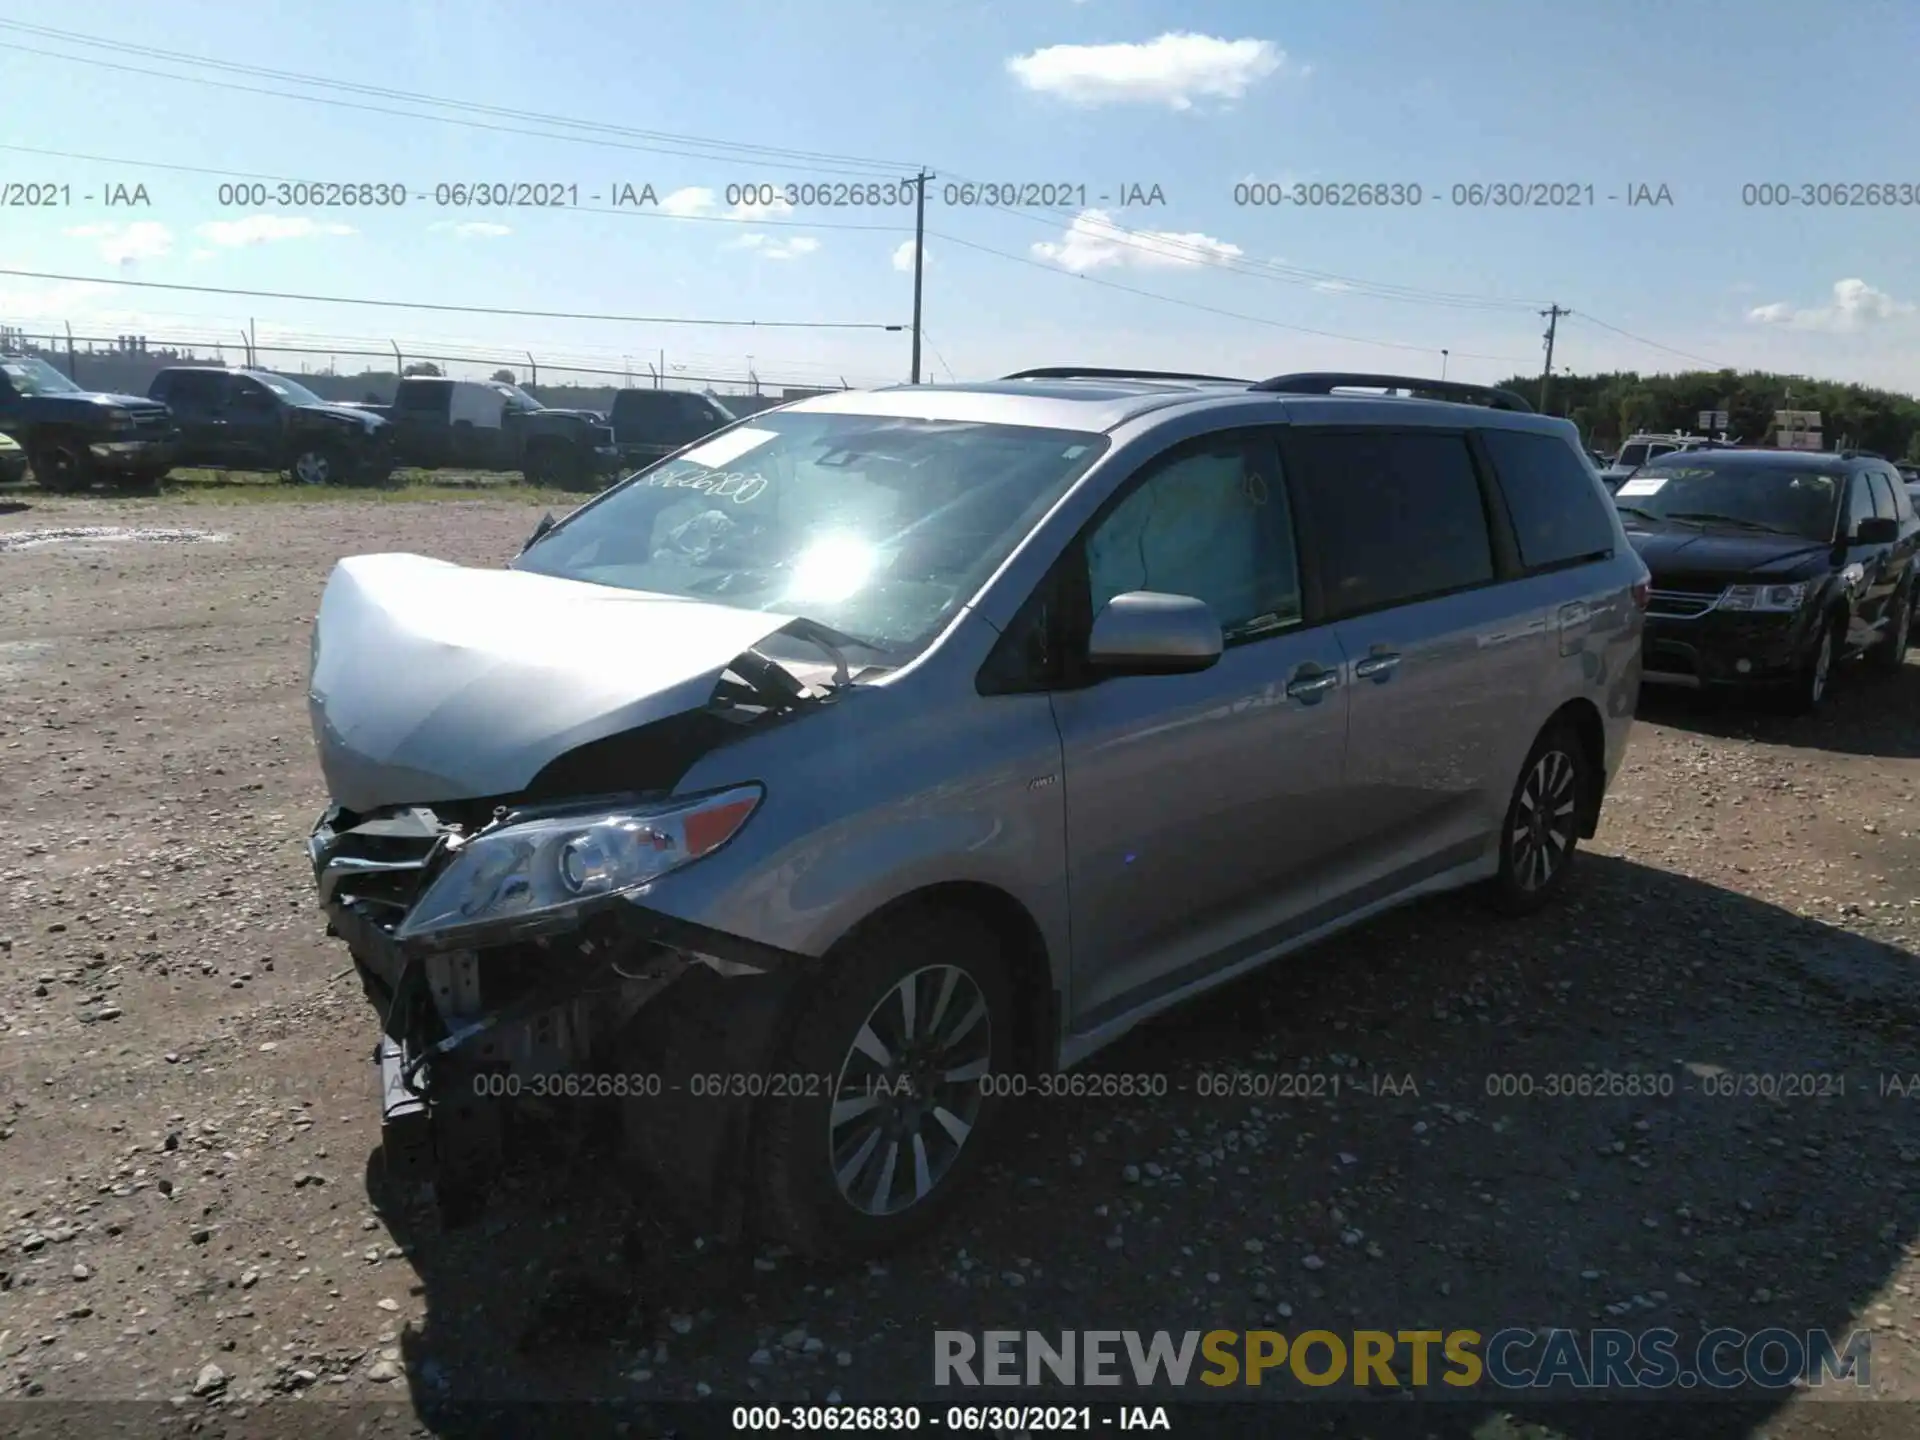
(1861, 455)
(1087, 372)
(1326, 382)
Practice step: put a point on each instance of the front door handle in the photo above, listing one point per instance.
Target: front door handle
(1377, 668)
(1307, 687)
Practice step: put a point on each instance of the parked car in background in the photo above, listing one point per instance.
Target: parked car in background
(761, 763)
(1640, 450)
(1770, 567)
(444, 424)
(74, 437)
(13, 461)
(257, 420)
(649, 425)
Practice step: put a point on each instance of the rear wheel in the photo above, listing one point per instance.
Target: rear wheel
(887, 1102)
(1542, 827)
(62, 464)
(1891, 652)
(318, 465)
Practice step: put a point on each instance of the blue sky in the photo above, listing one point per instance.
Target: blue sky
(1195, 98)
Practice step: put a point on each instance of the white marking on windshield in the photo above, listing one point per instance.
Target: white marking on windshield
(730, 446)
(1644, 485)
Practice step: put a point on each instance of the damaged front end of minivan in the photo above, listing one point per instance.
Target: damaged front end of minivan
(525, 989)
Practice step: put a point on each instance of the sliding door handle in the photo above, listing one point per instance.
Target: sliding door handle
(1375, 667)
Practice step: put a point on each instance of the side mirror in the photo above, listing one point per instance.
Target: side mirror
(1876, 530)
(1146, 633)
(546, 524)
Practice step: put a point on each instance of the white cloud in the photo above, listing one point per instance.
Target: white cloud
(1092, 242)
(696, 202)
(770, 249)
(260, 229)
(1174, 70)
(124, 244)
(471, 229)
(903, 258)
(1856, 305)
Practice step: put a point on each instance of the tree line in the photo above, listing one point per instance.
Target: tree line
(1609, 408)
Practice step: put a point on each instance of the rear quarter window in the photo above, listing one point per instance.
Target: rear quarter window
(1558, 517)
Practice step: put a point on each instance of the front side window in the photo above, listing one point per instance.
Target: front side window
(1398, 515)
(878, 527)
(1883, 505)
(1859, 504)
(1212, 525)
(1632, 456)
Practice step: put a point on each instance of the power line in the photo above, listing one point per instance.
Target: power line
(1207, 309)
(1642, 340)
(460, 309)
(741, 148)
(776, 162)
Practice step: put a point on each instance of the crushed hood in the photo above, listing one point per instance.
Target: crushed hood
(432, 681)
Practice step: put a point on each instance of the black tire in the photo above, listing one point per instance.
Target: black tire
(146, 481)
(62, 465)
(1890, 652)
(803, 1200)
(1813, 682)
(1540, 834)
(541, 466)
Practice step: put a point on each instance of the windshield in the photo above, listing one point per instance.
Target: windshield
(878, 527)
(36, 377)
(286, 389)
(517, 399)
(1632, 457)
(1753, 497)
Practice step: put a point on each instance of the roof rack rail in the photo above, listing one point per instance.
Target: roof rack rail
(1087, 372)
(1326, 382)
(1861, 455)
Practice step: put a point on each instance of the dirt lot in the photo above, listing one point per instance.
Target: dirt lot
(187, 1111)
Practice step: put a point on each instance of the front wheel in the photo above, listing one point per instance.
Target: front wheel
(62, 465)
(1542, 827)
(1810, 687)
(1890, 653)
(899, 1048)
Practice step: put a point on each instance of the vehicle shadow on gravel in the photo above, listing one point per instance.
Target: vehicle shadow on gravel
(1660, 1104)
(1867, 714)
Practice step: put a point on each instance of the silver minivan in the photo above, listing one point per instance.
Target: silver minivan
(790, 804)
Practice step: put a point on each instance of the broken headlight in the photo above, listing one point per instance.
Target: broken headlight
(539, 872)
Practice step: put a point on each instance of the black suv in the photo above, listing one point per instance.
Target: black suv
(649, 425)
(256, 420)
(73, 436)
(1771, 566)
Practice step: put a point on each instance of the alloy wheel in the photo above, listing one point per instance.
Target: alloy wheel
(1544, 820)
(909, 1090)
(312, 468)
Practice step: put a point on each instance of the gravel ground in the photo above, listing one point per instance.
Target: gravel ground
(188, 1119)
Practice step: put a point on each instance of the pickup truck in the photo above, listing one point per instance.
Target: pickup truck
(489, 425)
(256, 420)
(73, 437)
(649, 425)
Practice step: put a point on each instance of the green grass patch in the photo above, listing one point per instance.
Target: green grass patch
(246, 487)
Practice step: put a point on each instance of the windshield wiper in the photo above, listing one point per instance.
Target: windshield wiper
(1710, 517)
(1636, 510)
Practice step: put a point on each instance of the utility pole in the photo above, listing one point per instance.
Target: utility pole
(1443, 364)
(919, 261)
(1553, 314)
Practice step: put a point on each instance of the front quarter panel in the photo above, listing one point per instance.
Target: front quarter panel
(889, 790)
